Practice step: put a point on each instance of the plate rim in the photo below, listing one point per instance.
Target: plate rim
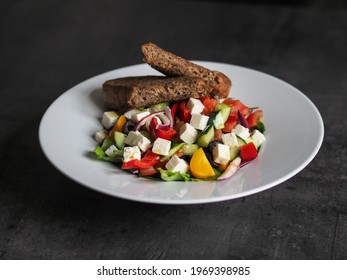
(274, 183)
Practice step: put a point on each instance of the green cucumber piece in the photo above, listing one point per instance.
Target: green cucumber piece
(225, 110)
(189, 149)
(160, 106)
(240, 141)
(172, 151)
(206, 136)
(108, 141)
(119, 139)
(234, 152)
(216, 118)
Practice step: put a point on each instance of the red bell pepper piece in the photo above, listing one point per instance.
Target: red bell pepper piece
(174, 108)
(162, 133)
(165, 134)
(147, 161)
(184, 112)
(248, 151)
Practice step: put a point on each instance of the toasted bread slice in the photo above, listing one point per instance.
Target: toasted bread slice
(173, 65)
(141, 91)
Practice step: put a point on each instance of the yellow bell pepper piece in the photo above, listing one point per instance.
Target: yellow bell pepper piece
(118, 126)
(199, 165)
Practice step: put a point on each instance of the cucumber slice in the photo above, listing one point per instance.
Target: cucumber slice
(240, 141)
(206, 136)
(160, 106)
(216, 118)
(189, 149)
(119, 139)
(225, 110)
(172, 151)
(234, 152)
(108, 142)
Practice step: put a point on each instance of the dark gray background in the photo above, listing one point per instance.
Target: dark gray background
(49, 46)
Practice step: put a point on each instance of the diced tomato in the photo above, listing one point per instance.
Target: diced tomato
(210, 105)
(165, 134)
(248, 151)
(237, 105)
(147, 161)
(230, 124)
(184, 112)
(148, 171)
(254, 118)
(218, 134)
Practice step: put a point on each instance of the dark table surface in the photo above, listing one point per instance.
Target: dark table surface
(49, 46)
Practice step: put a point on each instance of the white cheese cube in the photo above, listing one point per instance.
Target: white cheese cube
(195, 106)
(230, 139)
(161, 146)
(143, 142)
(109, 119)
(129, 114)
(241, 131)
(131, 138)
(176, 164)
(101, 135)
(221, 153)
(131, 153)
(257, 137)
(188, 133)
(110, 150)
(199, 121)
(140, 115)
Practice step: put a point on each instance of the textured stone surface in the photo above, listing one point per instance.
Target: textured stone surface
(47, 47)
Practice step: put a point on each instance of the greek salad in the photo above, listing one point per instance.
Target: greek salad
(190, 140)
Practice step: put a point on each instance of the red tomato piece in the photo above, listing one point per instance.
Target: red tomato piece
(254, 118)
(230, 124)
(210, 105)
(248, 151)
(237, 105)
(148, 171)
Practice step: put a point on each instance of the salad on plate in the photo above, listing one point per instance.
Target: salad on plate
(191, 140)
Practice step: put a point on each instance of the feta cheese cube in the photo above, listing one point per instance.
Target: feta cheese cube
(199, 121)
(257, 137)
(195, 106)
(135, 138)
(131, 138)
(131, 153)
(221, 153)
(143, 142)
(101, 135)
(230, 139)
(241, 131)
(188, 133)
(176, 164)
(161, 146)
(109, 119)
(130, 113)
(140, 115)
(110, 150)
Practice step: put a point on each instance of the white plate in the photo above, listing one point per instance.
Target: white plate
(294, 134)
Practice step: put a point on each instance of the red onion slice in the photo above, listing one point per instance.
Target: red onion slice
(144, 119)
(242, 120)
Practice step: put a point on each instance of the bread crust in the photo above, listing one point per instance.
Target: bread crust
(174, 65)
(142, 91)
